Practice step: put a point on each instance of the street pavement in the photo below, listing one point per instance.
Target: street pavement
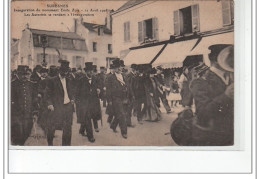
(146, 134)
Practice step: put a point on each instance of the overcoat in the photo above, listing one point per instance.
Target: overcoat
(88, 99)
(214, 110)
(55, 97)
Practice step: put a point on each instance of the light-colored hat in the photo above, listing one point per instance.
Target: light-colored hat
(226, 58)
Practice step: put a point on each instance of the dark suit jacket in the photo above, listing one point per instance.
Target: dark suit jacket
(88, 98)
(23, 98)
(213, 108)
(115, 89)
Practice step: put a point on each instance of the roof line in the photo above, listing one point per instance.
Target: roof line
(117, 11)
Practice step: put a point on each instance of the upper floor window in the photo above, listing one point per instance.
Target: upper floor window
(127, 31)
(94, 46)
(148, 30)
(228, 12)
(100, 31)
(109, 48)
(186, 20)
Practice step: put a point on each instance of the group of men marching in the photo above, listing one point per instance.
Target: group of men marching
(53, 95)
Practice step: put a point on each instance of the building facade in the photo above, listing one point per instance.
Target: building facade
(175, 29)
(65, 45)
(98, 39)
(14, 53)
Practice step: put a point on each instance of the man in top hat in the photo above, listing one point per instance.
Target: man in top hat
(139, 93)
(109, 109)
(130, 80)
(23, 106)
(160, 78)
(88, 96)
(60, 101)
(214, 100)
(101, 80)
(36, 75)
(117, 97)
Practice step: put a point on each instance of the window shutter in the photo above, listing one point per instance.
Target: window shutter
(195, 18)
(74, 61)
(176, 22)
(140, 32)
(125, 31)
(226, 13)
(155, 28)
(128, 31)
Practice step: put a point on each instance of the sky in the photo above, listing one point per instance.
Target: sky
(57, 23)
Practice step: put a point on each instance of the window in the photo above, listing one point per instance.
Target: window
(100, 31)
(95, 61)
(127, 31)
(186, 20)
(148, 30)
(78, 61)
(109, 48)
(94, 46)
(228, 12)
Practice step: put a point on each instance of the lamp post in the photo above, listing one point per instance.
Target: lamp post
(44, 45)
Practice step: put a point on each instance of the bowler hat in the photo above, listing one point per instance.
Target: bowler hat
(88, 66)
(122, 64)
(215, 50)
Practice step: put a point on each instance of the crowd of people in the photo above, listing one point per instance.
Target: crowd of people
(52, 95)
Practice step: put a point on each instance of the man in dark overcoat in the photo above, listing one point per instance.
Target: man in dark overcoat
(109, 109)
(214, 100)
(117, 97)
(162, 95)
(139, 93)
(60, 101)
(23, 106)
(130, 80)
(88, 95)
(101, 81)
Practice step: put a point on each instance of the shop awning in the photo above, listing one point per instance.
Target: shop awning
(142, 55)
(174, 54)
(203, 45)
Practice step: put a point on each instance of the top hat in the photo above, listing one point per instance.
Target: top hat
(215, 50)
(153, 71)
(44, 70)
(64, 65)
(111, 66)
(133, 66)
(122, 64)
(38, 67)
(73, 70)
(147, 67)
(226, 58)
(116, 63)
(22, 69)
(88, 66)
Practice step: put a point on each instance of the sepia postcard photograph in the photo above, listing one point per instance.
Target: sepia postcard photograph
(122, 73)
